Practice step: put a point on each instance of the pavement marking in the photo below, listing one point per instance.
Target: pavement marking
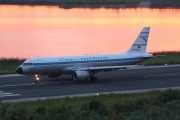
(162, 75)
(172, 74)
(2, 86)
(89, 94)
(153, 75)
(2, 94)
(8, 86)
(10, 95)
(11, 75)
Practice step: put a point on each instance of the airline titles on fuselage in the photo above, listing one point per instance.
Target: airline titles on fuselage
(83, 58)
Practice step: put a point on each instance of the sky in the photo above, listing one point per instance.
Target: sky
(31, 31)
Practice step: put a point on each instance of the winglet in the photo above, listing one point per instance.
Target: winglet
(139, 45)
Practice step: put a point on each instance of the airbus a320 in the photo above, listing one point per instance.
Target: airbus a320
(84, 67)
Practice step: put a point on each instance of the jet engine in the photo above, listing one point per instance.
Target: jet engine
(80, 75)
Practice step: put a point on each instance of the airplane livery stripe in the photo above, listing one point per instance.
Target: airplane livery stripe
(88, 61)
(144, 33)
(138, 44)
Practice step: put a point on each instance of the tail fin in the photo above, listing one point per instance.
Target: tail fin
(139, 45)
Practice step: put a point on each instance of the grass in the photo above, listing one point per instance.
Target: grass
(169, 57)
(9, 65)
(152, 105)
(76, 102)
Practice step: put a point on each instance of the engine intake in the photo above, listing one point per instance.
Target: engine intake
(80, 75)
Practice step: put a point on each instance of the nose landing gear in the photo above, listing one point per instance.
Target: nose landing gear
(37, 79)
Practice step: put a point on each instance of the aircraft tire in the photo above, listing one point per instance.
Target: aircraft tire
(36, 81)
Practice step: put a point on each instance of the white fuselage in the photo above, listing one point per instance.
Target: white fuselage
(64, 64)
(85, 66)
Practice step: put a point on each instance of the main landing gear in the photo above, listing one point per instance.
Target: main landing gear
(93, 79)
(37, 79)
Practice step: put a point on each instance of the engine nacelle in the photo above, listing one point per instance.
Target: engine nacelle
(53, 76)
(80, 75)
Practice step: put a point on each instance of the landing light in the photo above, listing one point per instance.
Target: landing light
(97, 94)
(165, 64)
(36, 75)
(37, 78)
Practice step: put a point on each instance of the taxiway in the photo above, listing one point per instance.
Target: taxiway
(18, 87)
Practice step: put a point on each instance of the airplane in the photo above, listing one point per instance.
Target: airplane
(83, 67)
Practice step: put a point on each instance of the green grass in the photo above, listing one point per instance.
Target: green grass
(170, 57)
(155, 105)
(76, 102)
(9, 65)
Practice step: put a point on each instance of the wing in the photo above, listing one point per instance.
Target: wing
(101, 69)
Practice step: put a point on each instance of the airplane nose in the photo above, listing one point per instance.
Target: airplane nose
(19, 70)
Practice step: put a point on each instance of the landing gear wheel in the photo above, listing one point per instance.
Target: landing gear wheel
(93, 79)
(36, 81)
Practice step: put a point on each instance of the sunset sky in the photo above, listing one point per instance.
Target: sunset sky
(29, 31)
